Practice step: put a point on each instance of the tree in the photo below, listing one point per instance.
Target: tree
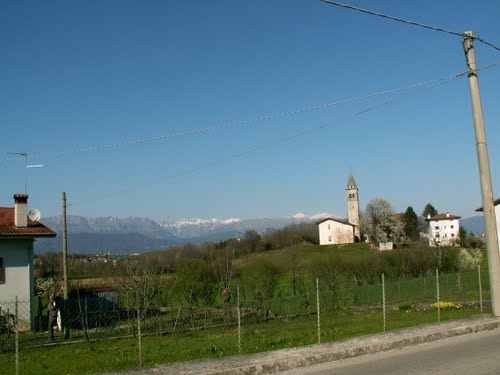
(379, 221)
(252, 241)
(197, 281)
(411, 224)
(429, 210)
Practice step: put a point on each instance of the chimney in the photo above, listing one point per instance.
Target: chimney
(21, 210)
(447, 214)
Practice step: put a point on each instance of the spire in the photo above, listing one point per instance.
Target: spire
(351, 183)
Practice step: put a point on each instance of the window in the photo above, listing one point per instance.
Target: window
(329, 238)
(2, 271)
(451, 227)
(453, 234)
(328, 225)
(436, 227)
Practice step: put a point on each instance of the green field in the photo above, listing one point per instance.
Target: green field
(113, 355)
(175, 328)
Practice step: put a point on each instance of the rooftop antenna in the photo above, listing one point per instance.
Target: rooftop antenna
(26, 166)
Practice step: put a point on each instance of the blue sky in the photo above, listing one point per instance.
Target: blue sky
(83, 81)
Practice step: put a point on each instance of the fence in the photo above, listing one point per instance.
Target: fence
(332, 304)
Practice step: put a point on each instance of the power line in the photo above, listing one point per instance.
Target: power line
(409, 22)
(433, 84)
(229, 124)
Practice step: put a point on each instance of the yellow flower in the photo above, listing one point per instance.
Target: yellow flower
(447, 306)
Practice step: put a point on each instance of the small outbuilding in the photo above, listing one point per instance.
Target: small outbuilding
(17, 236)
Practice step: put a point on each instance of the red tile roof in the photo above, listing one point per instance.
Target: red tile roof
(9, 229)
(446, 216)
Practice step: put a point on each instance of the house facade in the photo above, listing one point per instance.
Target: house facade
(496, 203)
(17, 235)
(335, 232)
(443, 229)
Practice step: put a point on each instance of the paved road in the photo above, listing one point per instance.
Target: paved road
(477, 354)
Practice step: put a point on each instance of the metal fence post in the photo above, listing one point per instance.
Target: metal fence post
(317, 309)
(437, 295)
(480, 288)
(239, 320)
(139, 341)
(383, 299)
(17, 336)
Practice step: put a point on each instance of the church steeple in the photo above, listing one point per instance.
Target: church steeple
(353, 204)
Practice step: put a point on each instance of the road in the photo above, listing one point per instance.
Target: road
(477, 354)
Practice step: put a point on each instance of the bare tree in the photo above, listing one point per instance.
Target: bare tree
(222, 260)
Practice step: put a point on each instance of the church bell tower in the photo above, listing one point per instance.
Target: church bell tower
(353, 205)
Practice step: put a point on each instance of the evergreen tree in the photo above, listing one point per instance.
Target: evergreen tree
(429, 210)
(411, 224)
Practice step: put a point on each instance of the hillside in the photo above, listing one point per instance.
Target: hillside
(137, 235)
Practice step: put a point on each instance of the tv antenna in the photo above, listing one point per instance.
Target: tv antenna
(26, 166)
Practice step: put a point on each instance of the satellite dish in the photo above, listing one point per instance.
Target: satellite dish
(34, 214)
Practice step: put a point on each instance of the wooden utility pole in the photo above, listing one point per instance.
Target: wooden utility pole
(65, 264)
(484, 175)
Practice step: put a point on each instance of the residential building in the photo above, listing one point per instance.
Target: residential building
(443, 229)
(496, 203)
(17, 235)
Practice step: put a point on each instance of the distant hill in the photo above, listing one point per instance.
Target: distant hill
(141, 234)
(135, 234)
(474, 224)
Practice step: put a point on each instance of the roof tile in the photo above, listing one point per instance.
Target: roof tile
(34, 228)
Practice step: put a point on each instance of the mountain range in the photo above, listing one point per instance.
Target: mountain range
(141, 234)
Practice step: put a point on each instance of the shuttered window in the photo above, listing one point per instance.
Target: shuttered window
(2, 271)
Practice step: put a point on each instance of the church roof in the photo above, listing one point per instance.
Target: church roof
(336, 220)
(351, 181)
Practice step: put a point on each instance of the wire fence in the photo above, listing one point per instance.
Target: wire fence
(124, 313)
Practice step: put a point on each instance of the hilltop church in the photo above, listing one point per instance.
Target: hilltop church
(336, 231)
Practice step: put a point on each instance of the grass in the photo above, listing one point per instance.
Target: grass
(354, 311)
(115, 355)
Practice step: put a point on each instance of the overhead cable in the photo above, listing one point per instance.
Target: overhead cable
(409, 22)
(229, 124)
(421, 88)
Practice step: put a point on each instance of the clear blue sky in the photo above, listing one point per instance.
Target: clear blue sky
(84, 74)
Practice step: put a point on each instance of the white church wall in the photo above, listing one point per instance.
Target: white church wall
(332, 232)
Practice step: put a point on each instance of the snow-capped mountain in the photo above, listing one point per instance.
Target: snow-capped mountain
(137, 234)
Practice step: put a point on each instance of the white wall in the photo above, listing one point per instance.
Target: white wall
(443, 232)
(18, 280)
(332, 232)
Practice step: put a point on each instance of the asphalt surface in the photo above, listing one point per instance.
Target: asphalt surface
(289, 359)
(476, 354)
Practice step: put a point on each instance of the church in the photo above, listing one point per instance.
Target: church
(336, 231)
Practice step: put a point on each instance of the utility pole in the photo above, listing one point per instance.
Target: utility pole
(484, 175)
(65, 263)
